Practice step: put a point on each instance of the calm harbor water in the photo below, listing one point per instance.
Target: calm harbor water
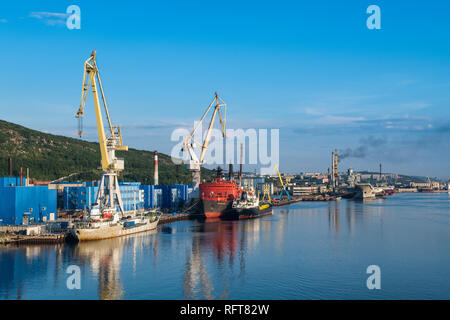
(308, 250)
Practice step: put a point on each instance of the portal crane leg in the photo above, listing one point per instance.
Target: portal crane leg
(109, 192)
(195, 183)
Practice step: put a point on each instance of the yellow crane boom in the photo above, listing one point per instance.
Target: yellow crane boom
(279, 176)
(108, 195)
(109, 144)
(283, 187)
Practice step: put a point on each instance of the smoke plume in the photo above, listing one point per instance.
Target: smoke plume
(362, 151)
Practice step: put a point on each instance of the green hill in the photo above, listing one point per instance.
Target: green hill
(50, 157)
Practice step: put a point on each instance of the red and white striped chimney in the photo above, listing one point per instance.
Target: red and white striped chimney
(155, 178)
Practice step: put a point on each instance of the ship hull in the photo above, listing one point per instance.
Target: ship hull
(111, 231)
(218, 196)
(215, 209)
(248, 213)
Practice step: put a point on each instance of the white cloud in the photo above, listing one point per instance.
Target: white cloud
(43, 15)
(338, 119)
(417, 105)
(313, 112)
(50, 18)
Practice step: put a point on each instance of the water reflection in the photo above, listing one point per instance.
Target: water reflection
(216, 259)
(333, 216)
(196, 278)
(227, 244)
(104, 259)
(217, 253)
(20, 266)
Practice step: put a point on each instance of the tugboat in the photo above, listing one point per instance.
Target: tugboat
(248, 206)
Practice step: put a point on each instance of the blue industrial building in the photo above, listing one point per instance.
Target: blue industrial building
(133, 195)
(11, 181)
(175, 195)
(252, 182)
(81, 198)
(21, 205)
(153, 196)
(27, 205)
(166, 196)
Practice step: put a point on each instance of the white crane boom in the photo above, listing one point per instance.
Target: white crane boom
(190, 144)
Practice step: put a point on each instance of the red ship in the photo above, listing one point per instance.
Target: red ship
(217, 196)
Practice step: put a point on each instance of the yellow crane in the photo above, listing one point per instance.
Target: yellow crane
(266, 193)
(283, 186)
(109, 192)
(190, 144)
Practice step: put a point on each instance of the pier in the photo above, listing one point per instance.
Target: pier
(319, 197)
(168, 218)
(32, 239)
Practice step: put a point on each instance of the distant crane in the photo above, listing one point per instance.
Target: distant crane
(190, 144)
(109, 192)
(283, 187)
(266, 194)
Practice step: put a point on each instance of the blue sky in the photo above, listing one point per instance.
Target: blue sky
(311, 69)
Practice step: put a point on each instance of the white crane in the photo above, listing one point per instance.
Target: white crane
(190, 144)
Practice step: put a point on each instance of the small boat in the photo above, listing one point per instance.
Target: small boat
(248, 206)
(107, 224)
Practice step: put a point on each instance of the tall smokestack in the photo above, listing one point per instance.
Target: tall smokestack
(240, 165)
(155, 178)
(21, 176)
(332, 169)
(230, 171)
(380, 171)
(336, 171)
(10, 167)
